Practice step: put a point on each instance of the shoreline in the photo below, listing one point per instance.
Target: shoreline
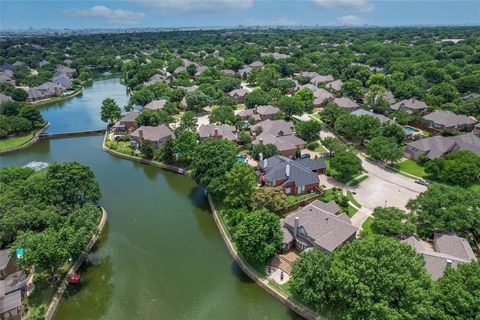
(263, 283)
(138, 159)
(35, 138)
(57, 297)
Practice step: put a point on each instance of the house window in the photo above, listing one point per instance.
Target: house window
(301, 189)
(288, 190)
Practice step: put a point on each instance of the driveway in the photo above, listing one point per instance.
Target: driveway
(382, 188)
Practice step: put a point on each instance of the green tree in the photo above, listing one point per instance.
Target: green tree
(392, 222)
(346, 165)
(257, 97)
(19, 94)
(240, 185)
(331, 112)
(153, 118)
(258, 236)
(197, 100)
(394, 131)
(147, 149)
(185, 145)
(271, 199)
(457, 294)
(445, 208)
(345, 280)
(31, 113)
(352, 88)
(290, 106)
(223, 115)
(188, 121)
(267, 150)
(384, 149)
(357, 128)
(305, 95)
(211, 161)
(333, 145)
(110, 111)
(460, 167)
(308, 130)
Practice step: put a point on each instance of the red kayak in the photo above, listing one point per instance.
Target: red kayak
(74, 279)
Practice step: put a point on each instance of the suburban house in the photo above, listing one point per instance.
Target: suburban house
(321, 97)
(7, 77)
(229, 72)
(256, 64)
(321, 79)
(449, 120)
(346, 103)
(126, 123)
(410, 106)
(155, 79)
(309, 74)
(278, 133)
(238, 94)
(335, 85)
(4, 98)
(13, 284)
(363, 112)
(223, 131)
(449, 251)
(293, 176)
(245, 71)
(259, 113)
(70, 72)
(317, 225)
(275, 55)
(158, 135)
(155, 104)
(247, 114)
(63, 80)
(44, 91)
(439, 146)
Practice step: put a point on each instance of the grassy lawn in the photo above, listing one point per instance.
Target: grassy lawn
(124, 147)
(320, 148)
(352, 199)
(411, 167)
(14, 142)
(367, 228)
(297, 198)
(340, 199)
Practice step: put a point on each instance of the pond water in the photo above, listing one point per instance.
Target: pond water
(82, 112)
(160, 255)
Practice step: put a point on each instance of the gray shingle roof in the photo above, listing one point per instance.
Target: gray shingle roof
(345, 103)
(449, 119)
(267, 110)
(411, 104)
(363, 112)
(4, 258)
(153, 133)
(275, 127)
(10, 301)
(302, 175)
(438, 146)
(322, 226)
(224, 131)
(451, 244)
(156, 104)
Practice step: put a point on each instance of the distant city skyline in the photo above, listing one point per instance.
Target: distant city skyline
(232, 13)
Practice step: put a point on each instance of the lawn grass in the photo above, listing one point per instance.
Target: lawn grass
(336, 195)
(352, 199)
(124, 147)
(367, 228)
(411, 167)
(320, 148)
(297, 198)
(15, 142)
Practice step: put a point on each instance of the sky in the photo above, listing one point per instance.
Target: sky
(76, 14)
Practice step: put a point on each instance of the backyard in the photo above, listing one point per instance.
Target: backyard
(411, 167)
(14, 142)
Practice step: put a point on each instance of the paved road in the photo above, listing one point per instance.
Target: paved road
(382, 188)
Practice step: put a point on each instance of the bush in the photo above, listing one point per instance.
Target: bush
(313, 145)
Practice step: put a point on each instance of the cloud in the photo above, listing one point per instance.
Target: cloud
(350, 20)
(349, 5)
(201, 6)
(118, 16)
(271, 23)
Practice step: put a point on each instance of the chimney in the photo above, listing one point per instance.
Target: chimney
(216, 133)
(260, 156)
(287, 170)
(449, 264)
(140, 133)
(260, 140)
(265, 163)
(295, 226)
(254, 136)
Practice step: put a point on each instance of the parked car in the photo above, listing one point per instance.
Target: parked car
(305, 156)
(423, 182)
